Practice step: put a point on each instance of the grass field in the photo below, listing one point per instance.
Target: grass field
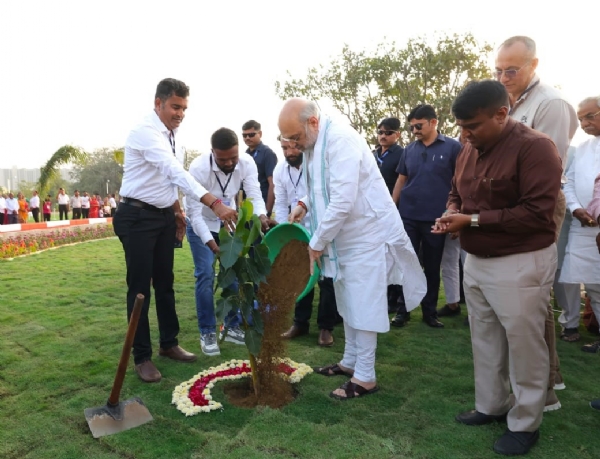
(62, 323)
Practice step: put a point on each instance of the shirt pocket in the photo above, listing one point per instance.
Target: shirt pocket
(504, 193)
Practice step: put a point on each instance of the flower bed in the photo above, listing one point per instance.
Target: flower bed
(193, 396)
(25, 244)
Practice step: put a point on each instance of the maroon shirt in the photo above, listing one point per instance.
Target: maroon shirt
(513, 186)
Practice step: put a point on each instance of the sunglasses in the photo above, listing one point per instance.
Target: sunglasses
(417, 126)
(381, 132)
(251, 134)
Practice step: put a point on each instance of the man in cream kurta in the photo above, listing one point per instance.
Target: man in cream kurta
(358, 237)
(582, 261)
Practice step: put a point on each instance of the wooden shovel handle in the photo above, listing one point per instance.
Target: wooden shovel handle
(126, 352)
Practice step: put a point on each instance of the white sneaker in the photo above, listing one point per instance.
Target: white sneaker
(209, 345)
(235, 335)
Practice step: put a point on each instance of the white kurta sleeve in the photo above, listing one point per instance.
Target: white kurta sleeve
(281, 194)
(569, 188)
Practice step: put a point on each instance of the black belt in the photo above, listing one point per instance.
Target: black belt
(142, 205)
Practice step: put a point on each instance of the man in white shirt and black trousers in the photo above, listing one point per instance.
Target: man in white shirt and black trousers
(222, 172)
(150, 221)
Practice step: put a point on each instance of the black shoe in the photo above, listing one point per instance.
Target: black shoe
(400, 319)
(595, 404)
(447, 311)
(392, 308)
(475, 418)
(592, 347)
(433, 322)
(516, 443)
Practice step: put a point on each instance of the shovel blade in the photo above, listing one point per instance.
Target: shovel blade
(102, 423)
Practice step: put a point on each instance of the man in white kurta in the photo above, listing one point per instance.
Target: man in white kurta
(358, 237)
(582, 260)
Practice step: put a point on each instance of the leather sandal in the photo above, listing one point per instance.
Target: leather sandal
(332, 370)
(353, 390)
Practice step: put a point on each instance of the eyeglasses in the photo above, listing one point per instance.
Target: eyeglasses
(417, 126)
(382, 132)
(511, 73)
(589, 116)
(250, 134)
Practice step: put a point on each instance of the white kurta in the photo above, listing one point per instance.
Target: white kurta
(353, 214)
(582, 261)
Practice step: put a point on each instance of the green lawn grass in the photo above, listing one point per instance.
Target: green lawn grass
(62, 324)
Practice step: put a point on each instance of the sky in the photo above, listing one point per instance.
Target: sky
(84, 72)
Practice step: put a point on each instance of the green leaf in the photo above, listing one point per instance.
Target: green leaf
(244, 215)
(257, 321)
(224, 306)
(255, 227)
(226, 277)
(262, 263)
(253, 341)
(231, 248)
(253, 270)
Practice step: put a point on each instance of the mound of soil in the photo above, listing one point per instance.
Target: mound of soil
(288, 278)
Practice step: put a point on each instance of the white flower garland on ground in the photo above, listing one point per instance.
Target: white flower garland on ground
(194, 395)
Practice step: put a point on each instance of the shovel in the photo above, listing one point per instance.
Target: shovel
(118, 416)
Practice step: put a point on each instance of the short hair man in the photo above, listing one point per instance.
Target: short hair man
(3, 214)
(222, 173)
(76, 205)
(265, 160)
(34, 205)
(421, 191)
(388, 153)
(542, 107)
(63, 204)
(149, 221)
(289, 188)
(85, 205)
(582, 263)
(12, 209)
(502, 201)
(357, 237)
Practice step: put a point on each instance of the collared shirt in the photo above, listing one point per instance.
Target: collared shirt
(112, 202)
(513, 185)
(203, 220)
(34, 202)
(289, 188)
(429, 171)
(2, 204)
(76, 202)
(63, 199)
(581, 175)
(85, 202)
(152, 172)
(265, 160)
(388, 162)
(543, 108)
(12, 205)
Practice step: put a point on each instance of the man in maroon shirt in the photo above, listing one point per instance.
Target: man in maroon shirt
(502, 201)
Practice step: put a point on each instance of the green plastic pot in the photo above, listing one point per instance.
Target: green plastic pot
(279, 236)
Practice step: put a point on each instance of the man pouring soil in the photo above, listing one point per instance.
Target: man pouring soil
(337, 161)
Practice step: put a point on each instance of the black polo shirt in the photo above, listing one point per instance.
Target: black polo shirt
(429, 171)
(265, 160)
(388, 162)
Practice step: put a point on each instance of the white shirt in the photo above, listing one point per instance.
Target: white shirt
(63, 198)
(76, 202)
(85, 202)
(112, 202)
(34, 202)
(152, 172)
(289, 188)
(2, 204)
(12, 205)
(203, 220)
(582, 173)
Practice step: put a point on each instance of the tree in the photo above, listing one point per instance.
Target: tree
(394, 80)
(50, 171)
(99, 170)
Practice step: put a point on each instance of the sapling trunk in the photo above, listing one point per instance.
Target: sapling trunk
(253, 364)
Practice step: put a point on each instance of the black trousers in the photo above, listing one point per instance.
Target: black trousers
(76, 213)
(85, 211)
(47, 217)
(327, 312)
(148, 238)
(430, 247)
(62, 212)
(36, 214)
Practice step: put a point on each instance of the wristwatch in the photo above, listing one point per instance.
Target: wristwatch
(475, 220)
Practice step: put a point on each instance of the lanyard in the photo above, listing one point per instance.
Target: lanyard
(520, 99)
(172, 142)
(380, 158)
(223, 188)
(291, 180)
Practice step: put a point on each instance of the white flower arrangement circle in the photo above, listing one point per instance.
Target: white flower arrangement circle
(194, 395)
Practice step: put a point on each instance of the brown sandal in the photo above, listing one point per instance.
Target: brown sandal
(331, 370)
(353, 390)
(571, 336)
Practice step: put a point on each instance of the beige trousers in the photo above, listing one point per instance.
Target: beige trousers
(508, 298)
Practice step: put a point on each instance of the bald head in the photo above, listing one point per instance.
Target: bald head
(299, 123)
